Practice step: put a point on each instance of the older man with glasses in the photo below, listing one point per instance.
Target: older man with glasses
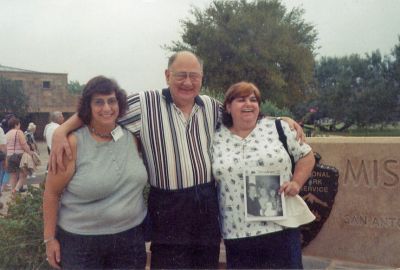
(175, 127)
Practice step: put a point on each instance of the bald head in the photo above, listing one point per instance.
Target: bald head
(179, 54)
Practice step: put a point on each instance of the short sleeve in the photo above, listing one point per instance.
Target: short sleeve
(2, 137)
(298, 151)
(131, 120)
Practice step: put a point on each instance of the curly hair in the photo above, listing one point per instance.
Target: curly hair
(103, 86)
(240, 89)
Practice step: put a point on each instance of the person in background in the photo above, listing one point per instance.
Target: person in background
(94, 210)
(3, 155)
(30, 137)
(28, 162)
(176, 127)
(275, 200)
(4, 122)
(265, 202)
(56, 119)
(253, 204)
(16, 146)
(248, 141)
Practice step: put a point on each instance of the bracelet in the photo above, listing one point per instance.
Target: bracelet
(45, 241)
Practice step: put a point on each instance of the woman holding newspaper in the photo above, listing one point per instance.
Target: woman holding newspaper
(245, 150)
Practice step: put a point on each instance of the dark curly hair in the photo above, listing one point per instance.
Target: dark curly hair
(103, 86)
(240, 89)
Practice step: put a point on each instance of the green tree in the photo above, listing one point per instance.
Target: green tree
(74, 87)
(269, 108)
(355, 89)
(334, 79)
(394, 75)
(258, 41)
(394, 66)
(12, 97)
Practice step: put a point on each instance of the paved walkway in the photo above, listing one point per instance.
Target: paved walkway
(309, 262)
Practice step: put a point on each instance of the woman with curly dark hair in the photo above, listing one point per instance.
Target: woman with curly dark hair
(93, 211)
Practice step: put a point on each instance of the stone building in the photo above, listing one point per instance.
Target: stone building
(47, 92)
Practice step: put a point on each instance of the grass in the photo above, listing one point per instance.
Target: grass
(372, 131)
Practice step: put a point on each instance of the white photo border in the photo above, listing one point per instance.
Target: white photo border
(269, 179)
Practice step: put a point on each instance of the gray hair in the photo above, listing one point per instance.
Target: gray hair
(31, 127)
(173, 57)
(54, 116)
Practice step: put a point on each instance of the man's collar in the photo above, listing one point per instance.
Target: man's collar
(168, 97)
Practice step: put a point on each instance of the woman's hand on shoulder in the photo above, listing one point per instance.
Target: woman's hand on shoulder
(53, 253)
(56, 182)
(295, 126)
(59, 146)
(69, 162)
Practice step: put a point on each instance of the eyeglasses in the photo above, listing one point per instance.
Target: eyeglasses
(99, 102)
(182, 75)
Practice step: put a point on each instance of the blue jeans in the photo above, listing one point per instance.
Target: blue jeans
(279, 250)
(2, 172)
(125, 250)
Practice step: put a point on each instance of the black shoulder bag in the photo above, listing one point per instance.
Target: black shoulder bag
(283, 139)
(15, 158)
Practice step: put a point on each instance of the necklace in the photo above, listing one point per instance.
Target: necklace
(101, 135)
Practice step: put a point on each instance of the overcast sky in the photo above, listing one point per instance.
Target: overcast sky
(123, 38)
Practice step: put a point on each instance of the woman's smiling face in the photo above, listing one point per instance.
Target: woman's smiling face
(244, 109)
(105, 109)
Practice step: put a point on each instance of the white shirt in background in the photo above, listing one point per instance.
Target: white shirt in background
(2, 137)
(48, 132)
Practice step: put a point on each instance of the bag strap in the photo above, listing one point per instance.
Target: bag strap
(15, 140)
(283, 139)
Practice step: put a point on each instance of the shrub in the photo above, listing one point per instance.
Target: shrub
(269, 108)
(218, 95)
(21, 233)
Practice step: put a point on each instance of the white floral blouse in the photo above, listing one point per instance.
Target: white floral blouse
(261, 149)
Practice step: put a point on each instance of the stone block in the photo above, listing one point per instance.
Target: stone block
(364, 224)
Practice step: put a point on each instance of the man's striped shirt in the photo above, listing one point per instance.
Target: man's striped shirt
(177, 150)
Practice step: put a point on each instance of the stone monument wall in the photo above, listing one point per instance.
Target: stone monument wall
(364, 224)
